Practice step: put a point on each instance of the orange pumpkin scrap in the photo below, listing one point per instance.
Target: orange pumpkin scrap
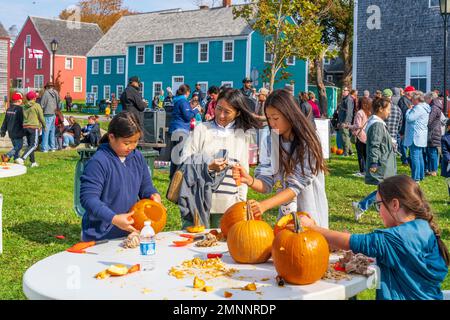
(300, 256)
(198, 283)
(237, 212)
(147, 209)
(250, 241)
(197, 227)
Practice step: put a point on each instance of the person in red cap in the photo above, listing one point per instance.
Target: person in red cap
(404, 104)
(33, 120)
(13, 125)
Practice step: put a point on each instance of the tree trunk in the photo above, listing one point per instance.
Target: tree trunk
(348, 62)
(323, 100)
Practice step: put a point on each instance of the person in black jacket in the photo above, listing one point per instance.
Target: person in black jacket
(345, 117)
(306, 107)
(13, 124)
(404, 103)
(73, 134)
(132, 101)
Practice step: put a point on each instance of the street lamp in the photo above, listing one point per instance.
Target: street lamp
(445, 12)
(54, 47)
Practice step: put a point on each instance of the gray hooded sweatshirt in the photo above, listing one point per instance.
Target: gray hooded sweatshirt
(50, 102)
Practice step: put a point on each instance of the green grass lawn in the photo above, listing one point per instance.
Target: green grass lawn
(38, 206)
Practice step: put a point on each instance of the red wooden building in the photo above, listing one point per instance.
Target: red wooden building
(74, 40)
(4, 66)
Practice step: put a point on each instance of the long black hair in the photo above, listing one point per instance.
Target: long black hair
(125, 124)
(245, 120)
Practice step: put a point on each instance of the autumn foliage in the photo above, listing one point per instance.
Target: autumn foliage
(105, 13)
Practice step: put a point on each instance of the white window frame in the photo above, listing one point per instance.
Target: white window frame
(290, 64)
(224, 43)
(117, 90)
(118, 71)
(137, 55)
(28, 40)
(95, 92)
(142, 88)
(430, 6)
(38, 67)
(175, 52)
(42, 77)
(153, 87)
(154, 53)
(330, 78)
(173, 87)
(71, 63)
(230, 83)
(265, 54)
(95, 61)
(200, 52)
(104, 66)
(206, 85)
(410, 60)
(326, 61)
(81, 84)
(104, 92)
(21, 63)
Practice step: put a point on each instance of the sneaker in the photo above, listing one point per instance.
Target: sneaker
(34, 164)
(19, 161)
(359, 174)
(357, 211)
(5, 158)
(53, 150)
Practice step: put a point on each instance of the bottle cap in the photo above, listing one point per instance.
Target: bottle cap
(147, 222)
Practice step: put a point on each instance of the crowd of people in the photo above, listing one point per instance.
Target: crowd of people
(40, 121)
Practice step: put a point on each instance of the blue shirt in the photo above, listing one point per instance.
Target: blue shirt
(181, 115)
(416, 129)
(411, 266)
(109, 187)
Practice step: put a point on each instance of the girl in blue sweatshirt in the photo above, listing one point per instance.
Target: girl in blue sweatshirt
(114, 179)
(410, 253)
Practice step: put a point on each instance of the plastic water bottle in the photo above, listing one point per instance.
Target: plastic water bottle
(148, 247)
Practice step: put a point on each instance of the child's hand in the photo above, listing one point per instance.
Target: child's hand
(124, 221)
(257, 208)
(218, 165)
(240, 173)
(307, 222)
(156, 197)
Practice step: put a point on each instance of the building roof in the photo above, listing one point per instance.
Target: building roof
(73, 39)
(3, 32)
(170, 25)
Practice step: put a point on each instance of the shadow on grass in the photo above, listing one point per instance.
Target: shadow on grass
(45, 232)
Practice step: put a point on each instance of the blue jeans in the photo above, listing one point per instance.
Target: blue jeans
(17, 146)
(68, 140)
(432, 159)
(417, 164)
(368, 201)
(48, 136)
(339, 142)
(403, 151)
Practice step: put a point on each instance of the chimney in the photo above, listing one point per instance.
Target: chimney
(227, 3)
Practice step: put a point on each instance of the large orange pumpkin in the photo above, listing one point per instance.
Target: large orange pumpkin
(250, 241)
(287, 222)
(237, 212)
(147, 209)
(300, 256)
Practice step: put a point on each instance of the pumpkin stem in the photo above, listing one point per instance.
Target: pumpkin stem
(249, 212)
(196, 217)
(297, 225)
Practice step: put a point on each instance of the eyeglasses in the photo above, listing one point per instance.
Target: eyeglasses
(377, 205)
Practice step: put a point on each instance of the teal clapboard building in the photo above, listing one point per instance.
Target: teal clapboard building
(168, 48)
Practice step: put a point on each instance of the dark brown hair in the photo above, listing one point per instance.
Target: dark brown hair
(380, 104)
(365, 104)
(412, 200)
(305, 143)
(125, 124)
(183, 89)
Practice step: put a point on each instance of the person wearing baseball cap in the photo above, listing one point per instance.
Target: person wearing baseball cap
(33, 121)
(132, 100)
(13, 125)
(404, 104)
(247, 85)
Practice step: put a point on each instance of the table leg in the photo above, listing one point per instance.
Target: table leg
(1, 226)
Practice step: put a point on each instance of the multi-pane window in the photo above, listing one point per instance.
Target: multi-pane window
(203, 48)
(106, 92)
(140, 55)
(418, 75)
(158, 58)
(107, 66)
(38, 81)
(120, 66)
(69, 63)
(77, 84)
(290, 61)
(94, 90)
(178, 53)
(95, 65)
(268, 57)
(119, 91)
(228, 51)
(157, 88)
(38, 63)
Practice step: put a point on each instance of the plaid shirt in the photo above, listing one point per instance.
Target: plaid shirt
(394, 122)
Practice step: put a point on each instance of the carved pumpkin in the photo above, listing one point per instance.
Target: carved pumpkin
(237, 212)
(197, 227)
(333, 150)
(339, 152)
(250, 241)
(147, 209)
(287, 222)
(300, 256)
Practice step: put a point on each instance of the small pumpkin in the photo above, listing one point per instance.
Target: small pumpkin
(250, 241)
(300, 256)
(147, 209)
(339, 152)
(197, 227)
(333, 150)
(287, 222)
(237, 212)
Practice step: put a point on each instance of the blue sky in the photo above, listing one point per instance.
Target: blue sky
(16, 11)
